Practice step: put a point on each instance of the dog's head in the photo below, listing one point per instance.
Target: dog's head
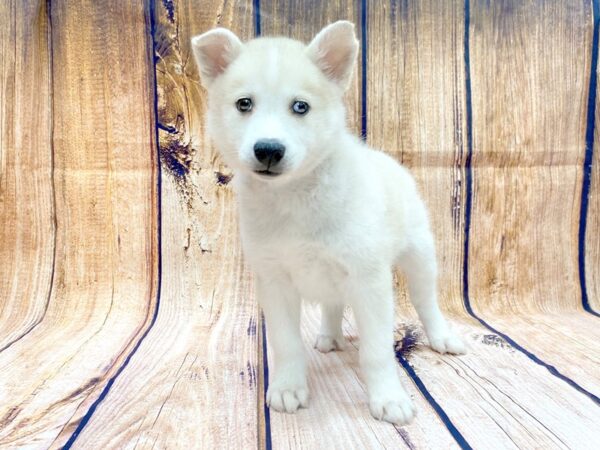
(275, 105)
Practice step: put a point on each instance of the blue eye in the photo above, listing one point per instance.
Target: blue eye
(299, 107)
(244, 104)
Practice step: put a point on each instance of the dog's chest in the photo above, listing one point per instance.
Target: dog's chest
(316, 271)
(307, 235)
(314, 261)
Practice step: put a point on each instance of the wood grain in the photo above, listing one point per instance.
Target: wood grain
(27, 215)
(416, 113)
(193, 380)
(529, 115)
(102, 296)
(523, 269)
(575, 361)
(127, 315)
(498, 398)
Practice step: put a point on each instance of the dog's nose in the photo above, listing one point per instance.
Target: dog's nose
(269, 152)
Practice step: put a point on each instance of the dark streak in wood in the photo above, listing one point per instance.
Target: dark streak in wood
(409, 342)
(80, 390)
(251, 370)
(170, 7)
(494, 340)
(176, 157)
(223, 179)
(9, 416)
(406, 438)
(189, 238)
(251, 327)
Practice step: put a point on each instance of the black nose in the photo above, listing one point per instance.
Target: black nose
(269, 152)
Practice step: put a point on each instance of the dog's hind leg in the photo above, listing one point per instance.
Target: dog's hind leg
(418, 263)
(331, 338)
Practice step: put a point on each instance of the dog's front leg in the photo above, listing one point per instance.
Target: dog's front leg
(372, 300)
(281, 303)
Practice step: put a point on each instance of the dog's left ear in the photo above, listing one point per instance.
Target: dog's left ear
(334, 51)
(214, 51)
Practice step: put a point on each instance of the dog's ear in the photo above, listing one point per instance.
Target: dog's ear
(214, 51)
(334, 51)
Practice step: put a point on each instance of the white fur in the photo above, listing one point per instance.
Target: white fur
(333, 225)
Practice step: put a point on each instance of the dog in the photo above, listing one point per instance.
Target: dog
(322, 216)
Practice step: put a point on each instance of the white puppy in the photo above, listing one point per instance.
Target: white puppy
(323, 217)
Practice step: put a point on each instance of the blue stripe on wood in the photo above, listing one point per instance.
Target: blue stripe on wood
(458, 437)
(256, 14)
(587, 164)
(468, 172)
(268, 440)
(469, 187)
(363, 44)
(92, 409)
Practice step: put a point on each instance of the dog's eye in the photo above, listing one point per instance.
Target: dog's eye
(244, 104)
(300, 107)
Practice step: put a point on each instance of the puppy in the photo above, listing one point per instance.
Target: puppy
(322, 216)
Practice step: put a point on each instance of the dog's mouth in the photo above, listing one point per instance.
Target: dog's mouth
(267, 173)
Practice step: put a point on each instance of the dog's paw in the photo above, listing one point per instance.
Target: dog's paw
(399, 411)
(329, 343)
(288, 400)
(447, 342)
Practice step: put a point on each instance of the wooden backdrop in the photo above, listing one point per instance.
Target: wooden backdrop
(127, 318)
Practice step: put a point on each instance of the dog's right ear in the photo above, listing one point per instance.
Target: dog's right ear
(214, 51)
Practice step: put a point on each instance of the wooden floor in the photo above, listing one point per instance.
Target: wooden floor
(127, 317)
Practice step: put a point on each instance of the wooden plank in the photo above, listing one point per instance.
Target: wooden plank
(592, 237)
(193, 380)
(529, 113)
(26, 195)
(496, 396)
(416, 113)
(527, 176)
(103, 290)
(543, 334)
